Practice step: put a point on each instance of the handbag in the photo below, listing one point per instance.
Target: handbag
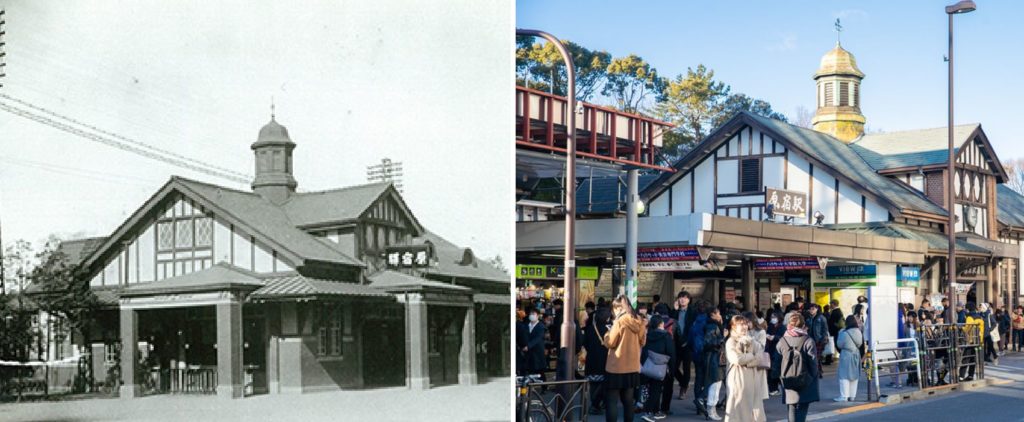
(830, 347)
(656, 365)
(764, 360)
(995, 336)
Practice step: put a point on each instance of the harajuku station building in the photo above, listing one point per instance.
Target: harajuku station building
(767, 211)
(211, 289)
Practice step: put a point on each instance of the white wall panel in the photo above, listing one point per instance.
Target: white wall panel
(773, 168)
(111, 272)
(797, 177)
(133, 262)
(681, 195)
(243, 250)
(728, 175)
(659, 206)
(824, 195)
(757, 142)
(221, 242)
(849, 204)
(147, 254)
(264, 259)
(704, 177)
(741, 200)
(875, 212)
(734, 146)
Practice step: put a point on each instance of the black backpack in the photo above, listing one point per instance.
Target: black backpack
(795, 375)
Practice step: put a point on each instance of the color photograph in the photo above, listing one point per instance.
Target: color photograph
(775, 211)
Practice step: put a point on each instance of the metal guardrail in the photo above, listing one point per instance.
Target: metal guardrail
(534, 403)
(899, 358)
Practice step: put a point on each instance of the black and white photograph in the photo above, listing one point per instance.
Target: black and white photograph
(255, 210)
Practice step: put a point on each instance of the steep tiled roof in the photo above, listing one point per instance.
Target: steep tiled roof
(846, 162)
(215, 277)
(270, 220)
(78, 249)
(392, 280)
(450, 262)
(910, 148)
(306, 208)
(296, 285)
(1010, 205)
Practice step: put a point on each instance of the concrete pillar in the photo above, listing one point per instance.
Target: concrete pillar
(467, 354)
(229, 350)
(632, 227)
(749, 285)
(129, 353)
(416, 338)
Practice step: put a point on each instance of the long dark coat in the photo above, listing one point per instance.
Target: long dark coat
(597, 354)
(521, 330)
(712, 355)
(809, 393)
(535, 361)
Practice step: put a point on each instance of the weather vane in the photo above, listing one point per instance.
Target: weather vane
(839, 30)
(271, 107)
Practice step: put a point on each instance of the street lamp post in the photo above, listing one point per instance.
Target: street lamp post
(964, 6)
(568, 346)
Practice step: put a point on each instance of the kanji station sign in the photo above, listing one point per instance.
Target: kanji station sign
(786, 203)
(408, 256)
(672, 254)
(555, 272)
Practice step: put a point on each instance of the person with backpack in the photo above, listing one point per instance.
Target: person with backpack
(624, 341)
(817, 329)
(989, 327)
(799, 368)
(850, 340)
(658, 351)
(714, 339)
(745, 377)
(697, 344)
(974, 330)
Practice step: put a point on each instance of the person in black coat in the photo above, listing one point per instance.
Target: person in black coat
(685, 315)
(836, 322)
(776, 329)
(658, 341)
(597, 357)
(714, 372)
(521, 334)
(536, 362)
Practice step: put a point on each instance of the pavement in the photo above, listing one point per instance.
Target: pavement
(1008, 374)
(490, 401)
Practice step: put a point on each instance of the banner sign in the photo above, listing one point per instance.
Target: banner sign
(681, 266)
(554, 272)
(675, 253)
(908, 276)
(786, 203)
(849, 272)
(795, 263)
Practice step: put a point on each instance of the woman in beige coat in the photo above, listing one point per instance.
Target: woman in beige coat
(747, 389)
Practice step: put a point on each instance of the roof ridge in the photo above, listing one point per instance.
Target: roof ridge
(923, 129)
(351, 187)
(212, 185)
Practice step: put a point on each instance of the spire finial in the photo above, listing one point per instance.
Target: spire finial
(272, 107)
(839, 30)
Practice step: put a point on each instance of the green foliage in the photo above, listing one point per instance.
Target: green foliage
(631, 81)
(540, 66)
(697, 103)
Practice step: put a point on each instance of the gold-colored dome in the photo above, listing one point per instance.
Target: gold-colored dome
(838, 62)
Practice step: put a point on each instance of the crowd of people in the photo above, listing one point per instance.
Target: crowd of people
(634, 357)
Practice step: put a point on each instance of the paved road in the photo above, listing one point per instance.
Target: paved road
(486, 402)
(992, 404)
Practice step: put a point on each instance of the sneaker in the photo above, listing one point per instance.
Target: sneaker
(647, 417)
(840, 399)
(775, 393)
(660, 415)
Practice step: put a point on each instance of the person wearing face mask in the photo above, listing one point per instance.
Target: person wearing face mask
(747, 389)
(776, 329)
(534, 350)
(624, 341)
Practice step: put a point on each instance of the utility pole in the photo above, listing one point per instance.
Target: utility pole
(386, 171)
(3, 53)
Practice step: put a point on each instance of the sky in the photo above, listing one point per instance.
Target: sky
(353, 82)
(770, 50)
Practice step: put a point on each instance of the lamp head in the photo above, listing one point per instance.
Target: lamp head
(963, 6)
(819, 218)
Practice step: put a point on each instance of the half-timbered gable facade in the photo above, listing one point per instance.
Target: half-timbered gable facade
(213, 289)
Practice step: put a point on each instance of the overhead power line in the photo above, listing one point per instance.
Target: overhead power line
(118, 141)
